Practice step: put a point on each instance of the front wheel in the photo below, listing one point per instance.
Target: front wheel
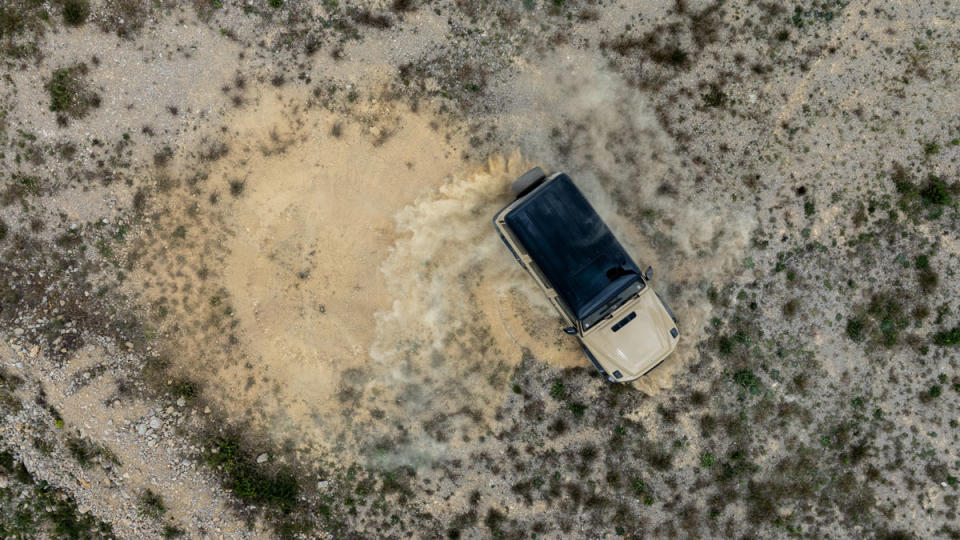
(526, 183)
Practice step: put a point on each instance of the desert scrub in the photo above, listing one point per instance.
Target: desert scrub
(69, 93)
(32, 509)
(932, 196)
(947, 338)
(880, 321)
(8, 384)
(86, 451)
(75, 12)
(248, 479)
(151, 504)
(185, 389)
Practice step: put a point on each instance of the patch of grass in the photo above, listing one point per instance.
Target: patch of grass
(248, 480)
(75, 12)
(931, 148)
(748, 381)
(578, 409)
(186, 389)
(947, 338)
(727, 344)
(151, 504)
(558, 390)
(69, 93)
(86, 451)
(879, 322)
(855, 329)
(936, 192)
(715, 97)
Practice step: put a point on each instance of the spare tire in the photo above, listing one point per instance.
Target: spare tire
(526, 183)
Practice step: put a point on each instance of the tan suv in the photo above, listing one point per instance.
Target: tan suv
(624, 327)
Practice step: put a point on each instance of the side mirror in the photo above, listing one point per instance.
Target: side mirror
(648, 273)
(572, 330)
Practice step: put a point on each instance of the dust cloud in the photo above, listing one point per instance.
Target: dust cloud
(354, 296)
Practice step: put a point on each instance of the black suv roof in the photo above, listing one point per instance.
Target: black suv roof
(571, 245)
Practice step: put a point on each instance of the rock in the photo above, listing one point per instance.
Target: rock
(155, 423)
(141, 429)
(206, 410)
(262, 458)
(34, 351)
(323, 484)
(181, 402)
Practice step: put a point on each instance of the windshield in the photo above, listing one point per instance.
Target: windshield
(612, 304)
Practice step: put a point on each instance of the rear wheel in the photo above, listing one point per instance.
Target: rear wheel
(526, 183)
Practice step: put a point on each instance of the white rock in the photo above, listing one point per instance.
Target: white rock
(262, 458)
(323, 484)
(154, 422)
(181, 402)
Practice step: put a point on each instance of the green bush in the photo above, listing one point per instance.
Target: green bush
(855, 329)
(75, 12)
(151, 504)
(936, 192)
(947, 338)
(68, 92)
(61, 89)
(249, 481)
(748, 380)
(558, 390)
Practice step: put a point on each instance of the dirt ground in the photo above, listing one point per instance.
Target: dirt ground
(249, 285)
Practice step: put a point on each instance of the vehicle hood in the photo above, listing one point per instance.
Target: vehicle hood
(639, 343)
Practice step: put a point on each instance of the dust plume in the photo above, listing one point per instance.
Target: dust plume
(336, 279)
(575, 115)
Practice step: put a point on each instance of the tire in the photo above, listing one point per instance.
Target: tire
(526, 183)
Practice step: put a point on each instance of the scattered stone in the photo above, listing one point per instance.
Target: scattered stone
(181, 402)
(154, 423)
(262, 458)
